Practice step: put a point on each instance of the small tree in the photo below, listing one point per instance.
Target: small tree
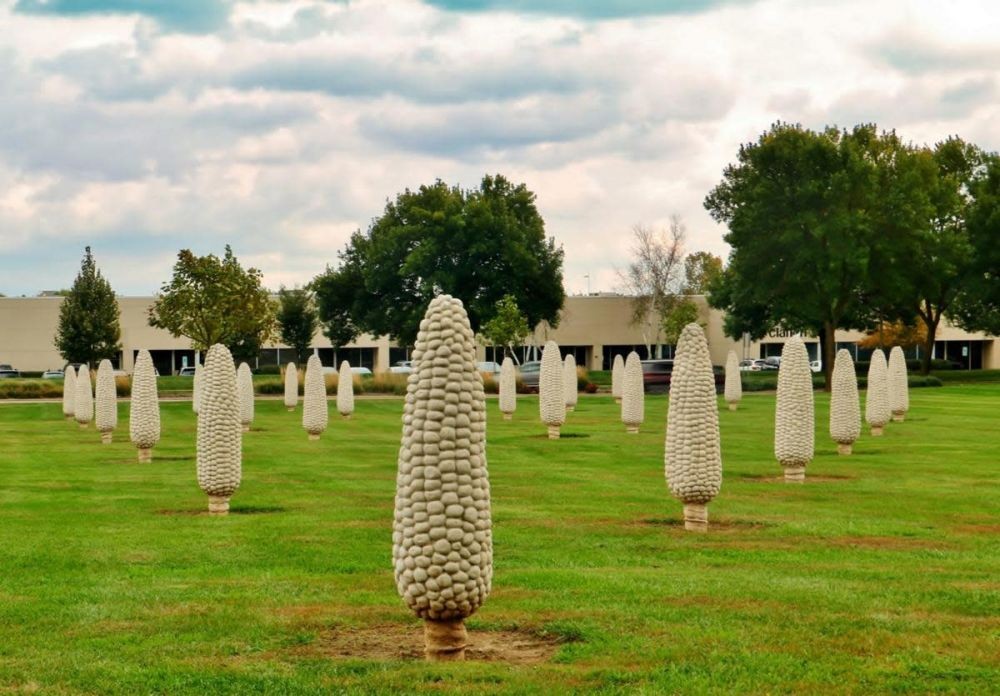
(89, 329)
(508, 327)
(212, 300)
(683, 312)
(297, 320)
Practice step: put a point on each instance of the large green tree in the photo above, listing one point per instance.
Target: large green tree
(297, 320)
(977, 307)
(89, 330)
(478, 245)
(211, 300)
(813, 217)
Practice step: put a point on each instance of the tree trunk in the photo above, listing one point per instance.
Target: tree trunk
(925, 359)
(828, 349)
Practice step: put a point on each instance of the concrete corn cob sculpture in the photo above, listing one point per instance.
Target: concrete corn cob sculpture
(617, 377)
(442, 543)
(196, 392)
(551, 398)
(291, 386)
(144, 412)
(569, 382)
(633, 394)
(508, 389)
(107, 401)
(83, 406)
(69, 392)
(899, 387)
(244, 390)
(693, 453)
(220, 436)
(794, 425)
(345, 390)
(877, 411)
(734, 385)
(315, 409)
(845, 405)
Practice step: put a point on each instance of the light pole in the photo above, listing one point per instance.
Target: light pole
(587, 276)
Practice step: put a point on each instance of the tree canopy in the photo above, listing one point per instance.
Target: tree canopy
(89, 330)
(478, 245)
(978, 304)
(211, 300)
(297, 320)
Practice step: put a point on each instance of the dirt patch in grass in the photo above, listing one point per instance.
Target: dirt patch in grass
(884, 543)
(810, 478)
(978, 529)
(390, 641)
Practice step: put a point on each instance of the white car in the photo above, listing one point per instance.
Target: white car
(492, 368)
(359, 371)
(403, 367)
(816, 366)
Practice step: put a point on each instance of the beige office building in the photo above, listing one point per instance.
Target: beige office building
(593, 327)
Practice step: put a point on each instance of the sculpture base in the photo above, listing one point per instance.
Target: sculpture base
(695, 517)
(106, 437)
(844, 448)
(313, 436)
(553, 432)
(570, 408)
(899, 417)
(246, 427)
(346, 416)
(733, 407)
(632, 429)
(218, 505)
(508, 416)
(145, 455)
(877, 430)
(795, 473)
(290, 408)
(445, 640)
(83, 426)
(69, 416)
(618, 400)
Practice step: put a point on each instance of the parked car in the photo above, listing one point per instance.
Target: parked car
(6, 371)
(186, 372)
(492, 368)
(356, 371)
(529, 372)
(749, 365)
(656, 375)
(816, 366)
(772, 363)
(403, 367)
(53, 374)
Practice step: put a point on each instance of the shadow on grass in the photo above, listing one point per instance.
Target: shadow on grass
(562, 436)
(719, 524)
(235, 510)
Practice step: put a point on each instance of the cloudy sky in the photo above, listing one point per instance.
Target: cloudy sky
(143, 126)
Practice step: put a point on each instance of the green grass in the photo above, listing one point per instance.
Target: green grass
(884, 577)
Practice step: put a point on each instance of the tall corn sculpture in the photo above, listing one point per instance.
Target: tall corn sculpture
(570, 382)
(291, 386)
(442, 543)
(845, 406)
(107, 401)
(144, 412)
(877, 410)
(899, 387)
(83, 407)
(508, 389)
(794, 425)
(734, 385)
(693, 453)
(345, 390)
(551, 397)
(315, 408)
(617, 377)
(244, 390)
(69, 392)
(633, 394)
(219, 431)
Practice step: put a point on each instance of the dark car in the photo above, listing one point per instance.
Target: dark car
(656, 375)
(529, 373)
(8, 371)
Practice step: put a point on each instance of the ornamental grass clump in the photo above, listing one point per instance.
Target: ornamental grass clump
(83, 405)
(345, 390)
(551, 397)
(633, 394)
(315, 409)
(442, 543)
(508, 388)
(106, 416)
(845, 405)
(617, 377)
(244, 390)
(291, 386)
(69, 392)
(734, 384)
(196, 392)
(220, 434)
(794, 425)
(570, 394)
(693, 453)
(144, 411)
(877, 411)
(899, 387)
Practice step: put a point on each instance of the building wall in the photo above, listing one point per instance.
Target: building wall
(588, 323)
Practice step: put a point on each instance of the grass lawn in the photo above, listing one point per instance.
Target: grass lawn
(880, 574)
